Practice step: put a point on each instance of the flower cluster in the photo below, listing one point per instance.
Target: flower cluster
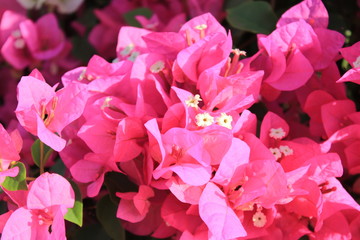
(172, 116)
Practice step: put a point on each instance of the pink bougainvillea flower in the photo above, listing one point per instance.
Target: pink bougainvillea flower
(44, 112)
(9, 25)
(182, 216)
(312, 107)
(133, 207)
(32, 41)
(285, 49)
(204, 54)
(13, 44)
(149, 76)
(111, 19)
(130, 43)
(226, 93)
(345, 141)
(48, 199)
(129, 136)
(215, 211)
(273, 128)
(10, 147)
(154, 23)
(201, 26)
(44, 39)
(333, 227)
(104, 77)
(315, 14)
(152, 224)
(179, 151)
(92, 170)
(312, 11)
(336, 115)
(230, 162)
(325, 81)
(184, 192)
(352, 55)
(331, 42)
(352, 75)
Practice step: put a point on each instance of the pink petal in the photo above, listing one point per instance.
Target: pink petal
(294, 76)
(218, 215)
(21, 225)
(231, 161)
(8, 150)
(58, 226)
(49, 190)
(312, 11)
(49, 138)
(70, 105)
(352, 75)
(12, 172)
(130, 131)
(183, 191)
(86, 171)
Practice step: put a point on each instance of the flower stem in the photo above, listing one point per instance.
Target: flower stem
(41, 157)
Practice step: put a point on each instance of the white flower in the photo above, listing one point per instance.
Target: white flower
(276, 152)
(204, 119)
(224, 120)
(157, 67)
(193, 101)
(286, 150)
(259, 219)
(357, 62)
(277, 133)
(201, 27)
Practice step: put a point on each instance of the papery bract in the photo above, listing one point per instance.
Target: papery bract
(47, 201)
(44, 113)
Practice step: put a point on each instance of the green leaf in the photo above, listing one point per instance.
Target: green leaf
(234, 3)
(130, 16)
(118, 182)
(88, 18)
(256, 17)
(36, 152)
(82, 49)
(91, 232)
(75, 214)
(59, 167)
(106, 214)
(18, 182)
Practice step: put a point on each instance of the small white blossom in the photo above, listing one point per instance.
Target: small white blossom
(276, 152)
(193, 101)
(204, 119)
(286, 150)
(157, 67)
(259, 219)
(133, 56)
(277, 133)
(19, 43)
(201, 27)
(357, 62)
(224, 120)
(127, 50)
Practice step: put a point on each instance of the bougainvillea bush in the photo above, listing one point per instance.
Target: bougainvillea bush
(179, 120)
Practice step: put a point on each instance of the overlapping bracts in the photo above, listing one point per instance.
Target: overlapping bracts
(171, 113)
